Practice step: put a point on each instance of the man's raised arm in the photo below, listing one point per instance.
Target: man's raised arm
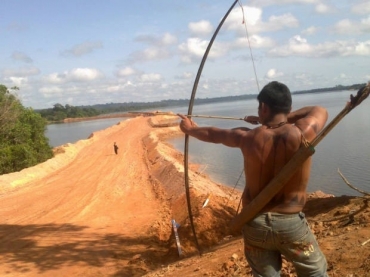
(311, 120)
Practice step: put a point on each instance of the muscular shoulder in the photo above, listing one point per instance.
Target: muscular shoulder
(310, 127)
(261, 135)
(313, 123)
(287, 134)
(270, 146)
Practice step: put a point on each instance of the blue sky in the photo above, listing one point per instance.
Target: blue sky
(94, 52)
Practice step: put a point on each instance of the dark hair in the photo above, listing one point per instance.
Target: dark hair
(277, 96)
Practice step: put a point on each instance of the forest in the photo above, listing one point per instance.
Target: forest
(59, 112)
(22, 134)
(22, 130)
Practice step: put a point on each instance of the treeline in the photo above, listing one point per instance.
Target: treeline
(134, 106)
(22, 134)
(336, 88)
(59, 112)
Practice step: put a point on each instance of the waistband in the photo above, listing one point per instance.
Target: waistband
(271, 215)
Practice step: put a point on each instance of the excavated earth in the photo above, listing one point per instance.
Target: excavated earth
(90, 212)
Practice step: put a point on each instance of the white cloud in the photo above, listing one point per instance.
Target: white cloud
(158, 49)
(158, 41)
(273, 73)
(252, 16)
(21, 72)
(263, 3)
(361, 8)
(185, 75)
(347, 26)
(149, 54)
(255, 24)
(84, 74)
(278, 22)
(119, 87)
(195, 47)
(163, 44)
(299, 46)
(154, 53)
(168, 39)
(83, 48)
(127, 71)
(200, 28)
(75, 75)
(152, 77)
(255, 42)
(310, 30)
(55, 78)
(19, 56)
(361, 48)
(19, 81)
(50, 91)
(114, 88)
(344, 26)
(323, 8)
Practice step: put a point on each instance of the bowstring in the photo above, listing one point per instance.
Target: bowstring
(190, 109)
(244, 22)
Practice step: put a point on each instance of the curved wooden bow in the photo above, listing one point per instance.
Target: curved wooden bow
(190, 110)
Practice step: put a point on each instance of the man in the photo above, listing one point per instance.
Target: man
(280, 228)
(115, 146)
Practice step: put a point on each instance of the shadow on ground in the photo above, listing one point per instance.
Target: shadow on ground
(54, 246)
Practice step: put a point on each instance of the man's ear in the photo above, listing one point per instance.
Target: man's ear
(264, 108)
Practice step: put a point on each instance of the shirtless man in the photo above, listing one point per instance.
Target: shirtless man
(281, 227)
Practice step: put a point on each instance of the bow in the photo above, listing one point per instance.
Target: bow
(190, 110)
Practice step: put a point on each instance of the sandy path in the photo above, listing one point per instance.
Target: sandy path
(95, 211)
(89, 212)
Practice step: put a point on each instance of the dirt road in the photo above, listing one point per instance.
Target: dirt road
(87, 218)
(89, 212)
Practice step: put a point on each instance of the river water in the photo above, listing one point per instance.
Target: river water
(346, 147)
(62, 133)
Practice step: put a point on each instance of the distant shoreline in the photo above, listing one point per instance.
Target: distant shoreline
(174, 103)
(134, 109)
(103, 116)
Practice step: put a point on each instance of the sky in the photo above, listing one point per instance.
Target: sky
(86, 52)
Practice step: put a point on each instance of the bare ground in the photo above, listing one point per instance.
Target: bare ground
(89, 212)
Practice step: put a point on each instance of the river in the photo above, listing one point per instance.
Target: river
(346, 147)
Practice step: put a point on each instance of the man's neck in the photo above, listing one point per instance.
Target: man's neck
(276, 121)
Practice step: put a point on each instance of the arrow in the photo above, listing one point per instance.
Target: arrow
(189, 115)
(276, 184)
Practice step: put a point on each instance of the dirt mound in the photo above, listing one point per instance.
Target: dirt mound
(90, 212)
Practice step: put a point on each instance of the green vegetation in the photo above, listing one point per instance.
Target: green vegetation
(22, 130)
(60, 112)
(336, 88)
(22, 134)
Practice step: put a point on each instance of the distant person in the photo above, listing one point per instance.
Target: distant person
(280, 228)
(115, 148)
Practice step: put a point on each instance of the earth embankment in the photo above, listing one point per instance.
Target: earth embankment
(90, 212)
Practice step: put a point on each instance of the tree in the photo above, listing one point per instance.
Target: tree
(59, 112)
(8, 108)
(22, 135)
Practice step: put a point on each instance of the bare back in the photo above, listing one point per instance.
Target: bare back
(265, 152)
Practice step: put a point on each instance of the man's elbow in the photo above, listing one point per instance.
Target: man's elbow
(324, 113)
